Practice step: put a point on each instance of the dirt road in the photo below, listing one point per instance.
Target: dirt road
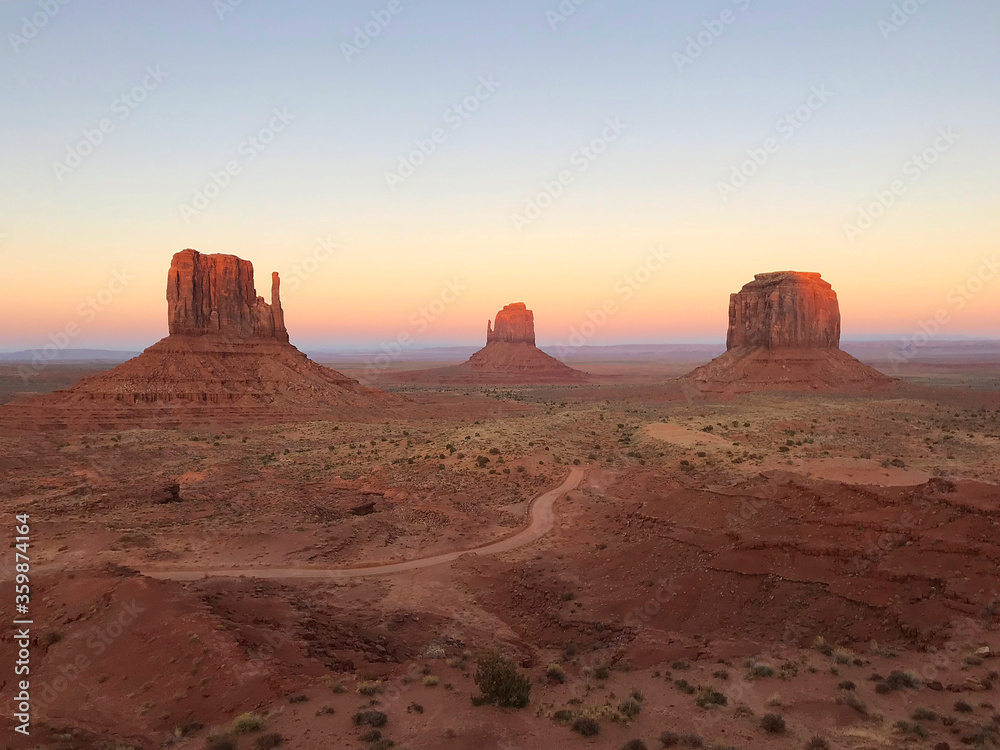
(542, 520)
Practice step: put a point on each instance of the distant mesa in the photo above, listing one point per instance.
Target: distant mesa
(227, 357)
(510, 357)
(784, 334)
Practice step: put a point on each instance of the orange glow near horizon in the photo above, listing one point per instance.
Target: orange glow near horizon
(368, 292)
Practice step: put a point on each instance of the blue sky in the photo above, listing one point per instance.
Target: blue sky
(325, 174)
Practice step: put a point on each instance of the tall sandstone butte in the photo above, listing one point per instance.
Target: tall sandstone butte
(509, 357)
(784, 334)
(215, 294)
(227, 357)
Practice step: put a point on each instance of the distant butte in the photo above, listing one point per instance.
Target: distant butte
(784, 334)
(509, 357)
(227, 358)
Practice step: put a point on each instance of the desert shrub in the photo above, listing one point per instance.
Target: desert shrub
(634, 745)
(248, 722)
(898, 680)
(563, 716)
(963, 707)
(630, 707)
(817, 743)
(298, 698)
(586, 726)
(758, 671)
(772, 723)
(692, 740)
(430, 680)
(680, 664)
(370, 719)
(709, 696)
(601, 673)
(721, 675)
(821, 645)
(268, 741)
(500, 682)
(853, 701)
(381, 744)
(220, 742)
(669, 739)
(369, 687)
(923, 714)
(847, 685)
(912, 728)
(434, 652)
(556, 673)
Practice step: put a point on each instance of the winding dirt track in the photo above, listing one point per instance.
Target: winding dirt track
(542, 521)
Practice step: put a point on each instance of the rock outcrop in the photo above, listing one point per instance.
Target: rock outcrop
(510, 357)
(515, 324)
(787, 309)
(215, 294)
(227, 358)
(784, 334)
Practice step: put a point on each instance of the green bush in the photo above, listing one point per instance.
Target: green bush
(268, 741)
(248, 722)
(630, 707)
(585, 726)
(370, 719)
(500, 682)
(772, 724)
(635, 745)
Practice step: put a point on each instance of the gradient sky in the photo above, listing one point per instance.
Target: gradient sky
(656, 186)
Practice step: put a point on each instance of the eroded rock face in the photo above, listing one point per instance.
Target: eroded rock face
(515, 324)
(787, 309)
(215, 294)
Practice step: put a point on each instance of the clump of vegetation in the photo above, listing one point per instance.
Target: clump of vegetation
(923, 714)
(853, 701)
(692, 740)
(268, 741)
(709, 696)
(634, 745)
(556, 673)
(963, 707)
(585, 726)
(669, 739)
(772, 723)
(248, 722)
(220, 742)
(369, 687)
(912, 728)
(434, 652)
(817, 743)
(759, 671)
(630, 707)
(370, 718)
(563, 716)
(601, 672)
(430, 681)
(500, 683)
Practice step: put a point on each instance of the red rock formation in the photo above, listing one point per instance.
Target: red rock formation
(509, 357)
(784, 309)
(784, 334)
(515, 324)
(227, 358)
(214, 294)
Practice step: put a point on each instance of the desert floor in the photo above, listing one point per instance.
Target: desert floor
(830, 559)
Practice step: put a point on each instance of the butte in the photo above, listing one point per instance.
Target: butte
(510, 357)
(784, 334)
(227, 357)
